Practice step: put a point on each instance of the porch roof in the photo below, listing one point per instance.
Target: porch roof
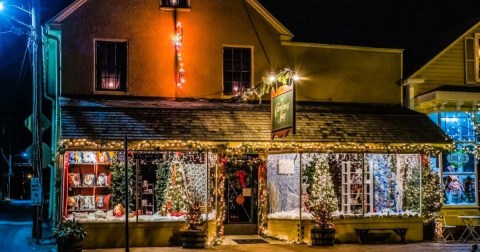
(159, 119)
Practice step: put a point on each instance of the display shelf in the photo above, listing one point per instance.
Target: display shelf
(82, 210)
(87, 179)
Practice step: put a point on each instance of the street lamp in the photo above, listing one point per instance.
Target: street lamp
(33, 32)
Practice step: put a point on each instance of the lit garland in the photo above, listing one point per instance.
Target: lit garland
(85, 144)
(222, 208)
(178, 40)
(249, 147)
(252, 147)
(274, 80)
(262, 199)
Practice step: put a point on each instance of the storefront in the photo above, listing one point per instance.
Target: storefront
(221, 155)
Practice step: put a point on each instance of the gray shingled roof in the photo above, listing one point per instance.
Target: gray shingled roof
(154, 119)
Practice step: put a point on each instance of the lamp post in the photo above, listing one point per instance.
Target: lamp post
(33, 32)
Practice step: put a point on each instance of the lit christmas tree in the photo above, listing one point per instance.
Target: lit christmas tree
(117, 171)
(432, 191)
(321, 194)
(176, 196)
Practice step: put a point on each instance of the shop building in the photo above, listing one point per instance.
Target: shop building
(163, 79)
(446, 89)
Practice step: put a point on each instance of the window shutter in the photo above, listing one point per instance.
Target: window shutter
(470, 61)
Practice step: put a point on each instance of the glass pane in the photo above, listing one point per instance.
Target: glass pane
(459, 189)
(458, 161)
(458, 125)
(283, 186)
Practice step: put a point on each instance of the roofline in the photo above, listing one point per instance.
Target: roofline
(444, 50)
(285, 34)
(344, 47)
(66, 12)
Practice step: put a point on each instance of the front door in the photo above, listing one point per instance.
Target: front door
(241, 194)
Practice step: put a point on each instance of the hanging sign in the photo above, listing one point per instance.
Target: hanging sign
(283, 111)
(36, 191)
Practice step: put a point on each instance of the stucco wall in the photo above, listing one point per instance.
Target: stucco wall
(328, 73)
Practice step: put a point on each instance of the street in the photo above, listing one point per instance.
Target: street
(16, 228)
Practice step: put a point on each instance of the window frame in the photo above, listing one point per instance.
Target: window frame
(228, 46)
(96, 90)
(165, 6)
(476, 52)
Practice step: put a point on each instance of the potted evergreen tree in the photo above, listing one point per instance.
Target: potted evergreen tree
(322, 201)
(195, 236)
(69, 235)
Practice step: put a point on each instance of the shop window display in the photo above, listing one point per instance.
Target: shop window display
(160, 188)
(459, 178)
(366, 184)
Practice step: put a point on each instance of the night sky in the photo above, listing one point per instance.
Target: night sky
(422, 27)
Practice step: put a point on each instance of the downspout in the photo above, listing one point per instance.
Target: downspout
(53, 211)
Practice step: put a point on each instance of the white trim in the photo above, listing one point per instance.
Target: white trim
(476, 56)
(251, 47)
(343, 47)
(66, 12)
(111, 92)
(462, 37)
(285, 34)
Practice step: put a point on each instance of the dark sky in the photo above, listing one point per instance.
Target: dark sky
(421, 27)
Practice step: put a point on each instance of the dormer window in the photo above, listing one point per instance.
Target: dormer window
(175, 3)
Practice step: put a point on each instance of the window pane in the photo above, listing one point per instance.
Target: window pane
(458, 125)
(459, 189)
(111, 65)
(236, 69)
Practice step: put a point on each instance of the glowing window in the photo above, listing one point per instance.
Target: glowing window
(175, 3)
(237, 69)
(111, 66)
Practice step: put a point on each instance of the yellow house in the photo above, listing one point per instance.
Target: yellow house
(446, 89)
(160, 79)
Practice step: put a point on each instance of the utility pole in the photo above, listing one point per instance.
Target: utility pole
(34, 44)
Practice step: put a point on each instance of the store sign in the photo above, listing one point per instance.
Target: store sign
(283, 111)
(36, 191)
(148, 156)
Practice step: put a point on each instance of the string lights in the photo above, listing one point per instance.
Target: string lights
(178, 40)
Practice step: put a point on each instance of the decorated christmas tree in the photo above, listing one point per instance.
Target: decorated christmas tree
(321, 194)
(161, 173)
(117, 171)
(432, 192)
(175, 196)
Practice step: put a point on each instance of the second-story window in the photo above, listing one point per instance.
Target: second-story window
(237, 69)
(175, 3)
(111, 66)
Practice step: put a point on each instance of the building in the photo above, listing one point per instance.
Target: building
(446, 89)
(164, 77)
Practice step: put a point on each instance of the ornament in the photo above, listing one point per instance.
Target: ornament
(119, 210)
(241, 177)
(240, 199)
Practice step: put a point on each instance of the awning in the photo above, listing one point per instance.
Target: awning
(216, 121)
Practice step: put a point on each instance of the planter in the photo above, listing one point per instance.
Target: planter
(322, 237)
(194, 239)
(71, 245)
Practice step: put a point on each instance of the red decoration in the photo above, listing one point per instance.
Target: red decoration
(119, 210)
(240, 199)
(241, 177)
(177, 214)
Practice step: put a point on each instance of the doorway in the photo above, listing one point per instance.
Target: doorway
(241, 196)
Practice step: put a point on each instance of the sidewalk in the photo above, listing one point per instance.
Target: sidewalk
(229, 245)
(414, 247)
